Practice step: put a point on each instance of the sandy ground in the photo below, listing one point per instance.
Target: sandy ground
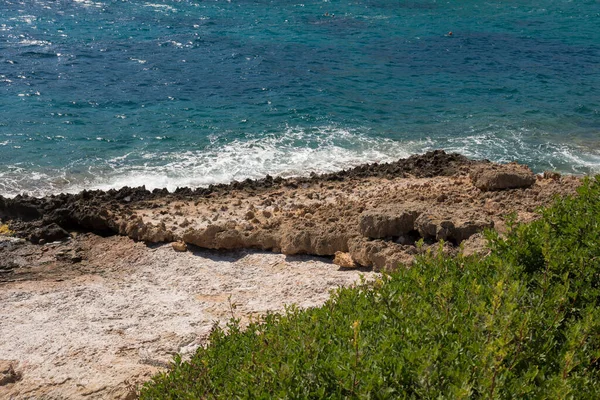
(98, 327)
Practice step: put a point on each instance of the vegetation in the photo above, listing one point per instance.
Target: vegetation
(522, 323)
(5, 230)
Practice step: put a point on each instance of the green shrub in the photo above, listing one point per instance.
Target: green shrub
(522, 323)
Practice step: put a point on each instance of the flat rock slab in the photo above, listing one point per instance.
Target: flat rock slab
(98, 328)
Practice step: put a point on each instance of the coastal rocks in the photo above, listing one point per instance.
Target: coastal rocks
(222, 238)
(313, 241)
(48, 233)
(378, 216)
(551, 175)
(204, 237)
(450, 227)
(381, 223)
(432, 163)
(379, 254)
(344, 260)
(20, 207)
(179, 246)
(475, 245)
(9, 373)
(374, 213)
(137, 229)
(502, 176)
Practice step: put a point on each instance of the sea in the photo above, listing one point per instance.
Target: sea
(100, 94)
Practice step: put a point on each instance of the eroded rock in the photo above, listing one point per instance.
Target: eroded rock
(344, 260)
(502, 176)
(450, 227)
(475, 245)
(48, 233)
(387, 222)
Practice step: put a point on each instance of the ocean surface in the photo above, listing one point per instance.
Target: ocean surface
(102, 94)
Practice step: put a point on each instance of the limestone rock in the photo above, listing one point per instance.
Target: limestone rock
(501, 177)
(475, 245)
(379, 254)
(344, 260)
(179, 246)
(463, 230)
(381, 223)
(313, 241)
(203, 237)
(147, 232)
(443, 226)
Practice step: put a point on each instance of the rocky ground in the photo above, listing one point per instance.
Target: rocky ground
(92, 317)
(99, 289)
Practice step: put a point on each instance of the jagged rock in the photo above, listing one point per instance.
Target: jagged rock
(378, 224)
(344, 260)
(552, 175)
(502, 176)
(155, 233)
(48, 233)
(203, 237)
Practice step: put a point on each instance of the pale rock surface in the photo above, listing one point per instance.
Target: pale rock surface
(502, 176)
(98, 328)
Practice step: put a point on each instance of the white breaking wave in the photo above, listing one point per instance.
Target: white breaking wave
(256, 158)
(296, 152)
(525, 147)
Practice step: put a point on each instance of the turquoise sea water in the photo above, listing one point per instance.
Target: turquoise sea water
(100, 94)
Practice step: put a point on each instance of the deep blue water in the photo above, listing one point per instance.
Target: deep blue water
(174, 93)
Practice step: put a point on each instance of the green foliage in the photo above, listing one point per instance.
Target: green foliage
(522, 323)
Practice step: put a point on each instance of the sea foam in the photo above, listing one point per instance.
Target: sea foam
(294, 152)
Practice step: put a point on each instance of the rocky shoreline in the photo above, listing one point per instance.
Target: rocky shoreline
(101, 288)
(370, 216)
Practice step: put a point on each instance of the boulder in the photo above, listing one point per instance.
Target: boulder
(501, 177)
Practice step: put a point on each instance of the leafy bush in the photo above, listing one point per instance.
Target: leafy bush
(522, 323)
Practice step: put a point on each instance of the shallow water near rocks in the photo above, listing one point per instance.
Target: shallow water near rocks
(102, 94)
